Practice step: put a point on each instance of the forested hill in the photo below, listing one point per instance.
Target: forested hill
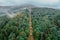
(45, 24)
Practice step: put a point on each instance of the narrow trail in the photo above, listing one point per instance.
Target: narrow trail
(31, 29)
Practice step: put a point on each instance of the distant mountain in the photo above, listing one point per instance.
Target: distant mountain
(13, 9)
(4, 10)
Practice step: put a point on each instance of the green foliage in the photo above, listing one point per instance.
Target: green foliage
(45, 23)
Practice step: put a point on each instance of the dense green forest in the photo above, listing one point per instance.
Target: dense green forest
(45, 24)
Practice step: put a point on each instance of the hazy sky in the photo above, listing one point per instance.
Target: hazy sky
(52, 3)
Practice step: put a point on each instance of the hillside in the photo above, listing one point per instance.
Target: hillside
(45, 23)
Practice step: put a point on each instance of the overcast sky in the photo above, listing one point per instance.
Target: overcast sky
(49, 3)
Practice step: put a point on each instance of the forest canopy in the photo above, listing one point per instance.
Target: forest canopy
(45, 24)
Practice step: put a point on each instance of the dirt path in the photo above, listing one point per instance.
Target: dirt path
(31, 29)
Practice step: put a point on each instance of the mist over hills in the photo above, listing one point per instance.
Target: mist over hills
(11, 10)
